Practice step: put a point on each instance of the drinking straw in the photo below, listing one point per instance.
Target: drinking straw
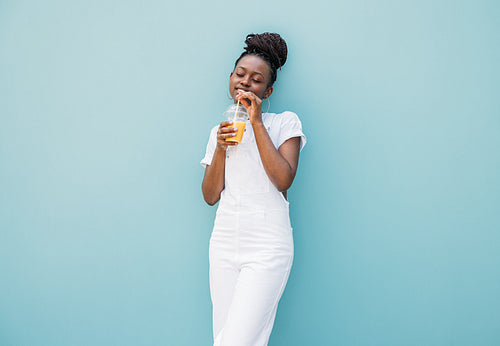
(236, 112)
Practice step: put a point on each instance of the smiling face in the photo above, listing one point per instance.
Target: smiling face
(251, 73)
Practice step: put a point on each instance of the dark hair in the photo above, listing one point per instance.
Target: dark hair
(269, 46)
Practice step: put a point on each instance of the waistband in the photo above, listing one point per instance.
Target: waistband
(272, 200)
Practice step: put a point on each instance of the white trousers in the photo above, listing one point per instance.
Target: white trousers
(251, 253)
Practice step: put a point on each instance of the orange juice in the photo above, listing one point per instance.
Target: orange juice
(240, 125)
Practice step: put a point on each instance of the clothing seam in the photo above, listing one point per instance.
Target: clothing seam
(276, 302)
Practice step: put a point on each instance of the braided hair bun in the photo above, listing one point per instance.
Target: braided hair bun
(269, 46)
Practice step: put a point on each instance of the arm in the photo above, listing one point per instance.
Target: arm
(213, 180)
(280, 165)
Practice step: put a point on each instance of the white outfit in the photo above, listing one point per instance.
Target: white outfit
(251, 247)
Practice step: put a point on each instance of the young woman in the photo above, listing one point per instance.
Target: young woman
(251, 247)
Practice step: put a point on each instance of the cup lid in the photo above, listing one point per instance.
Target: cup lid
(236, 111)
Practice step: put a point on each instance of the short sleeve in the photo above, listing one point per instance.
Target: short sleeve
(291, 127)
(212, 143)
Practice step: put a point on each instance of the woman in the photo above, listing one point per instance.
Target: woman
(251, 247)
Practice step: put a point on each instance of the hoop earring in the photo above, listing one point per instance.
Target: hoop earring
(268, 104)
(229, 95)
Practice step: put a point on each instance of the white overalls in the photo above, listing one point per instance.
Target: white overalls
(251, 247)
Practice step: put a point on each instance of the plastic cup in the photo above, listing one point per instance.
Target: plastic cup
(239, 116)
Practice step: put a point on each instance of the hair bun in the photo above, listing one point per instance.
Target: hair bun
(270, 45)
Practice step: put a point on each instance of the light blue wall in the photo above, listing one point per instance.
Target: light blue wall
(105, 109)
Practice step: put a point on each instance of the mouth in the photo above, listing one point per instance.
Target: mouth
(239, 90)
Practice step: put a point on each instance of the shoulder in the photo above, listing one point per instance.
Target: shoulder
(283, 126)
(284, 121)
(281, 118)
(289, 116)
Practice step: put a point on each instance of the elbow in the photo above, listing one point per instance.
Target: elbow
(283, 186)
(210, 201)
(210, 198)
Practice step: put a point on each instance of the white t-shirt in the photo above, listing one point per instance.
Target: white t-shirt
(280, 127)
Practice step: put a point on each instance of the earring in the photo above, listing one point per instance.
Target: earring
(229, 95)
(268, 104)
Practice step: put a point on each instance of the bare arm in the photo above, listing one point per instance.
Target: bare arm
(280, 165)
(213, 180)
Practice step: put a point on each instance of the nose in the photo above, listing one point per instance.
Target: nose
(245, 81)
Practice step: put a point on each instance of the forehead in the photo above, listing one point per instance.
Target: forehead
(254, 63)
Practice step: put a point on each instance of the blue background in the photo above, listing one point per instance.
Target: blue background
(105, 110)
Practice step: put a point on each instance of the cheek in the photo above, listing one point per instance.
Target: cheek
(232, 83)
(262, 91)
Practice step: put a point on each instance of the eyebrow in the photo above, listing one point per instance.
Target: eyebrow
(254, 72)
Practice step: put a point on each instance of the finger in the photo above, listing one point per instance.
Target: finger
(228, 129)
(248, 98)
(228, 135)
(241, 92)
(246, 93)
(224, 136)
(225, 123)
(246, 102)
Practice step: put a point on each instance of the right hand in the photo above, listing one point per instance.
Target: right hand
(225, 131)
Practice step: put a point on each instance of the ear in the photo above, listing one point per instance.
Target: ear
(230, 75)
(268, 92)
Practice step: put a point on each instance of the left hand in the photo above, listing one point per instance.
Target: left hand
(253, 104)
